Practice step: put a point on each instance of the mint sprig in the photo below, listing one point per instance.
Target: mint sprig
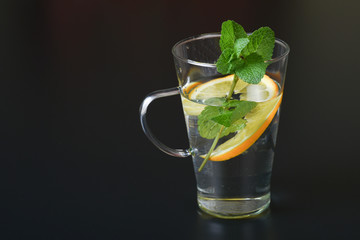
(244, 56)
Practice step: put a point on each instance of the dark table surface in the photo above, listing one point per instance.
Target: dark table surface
(74, 160)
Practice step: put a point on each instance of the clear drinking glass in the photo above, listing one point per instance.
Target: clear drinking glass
(236, 183)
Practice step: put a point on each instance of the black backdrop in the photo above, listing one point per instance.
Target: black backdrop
(75, 162)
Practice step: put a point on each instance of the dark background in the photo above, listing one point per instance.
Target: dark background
(76, 164)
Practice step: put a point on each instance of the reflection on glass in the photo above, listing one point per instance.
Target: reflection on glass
(211, 228)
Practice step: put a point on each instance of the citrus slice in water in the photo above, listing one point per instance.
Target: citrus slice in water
(257, 122)
(198, 92)
(266, 93)
(218, 87)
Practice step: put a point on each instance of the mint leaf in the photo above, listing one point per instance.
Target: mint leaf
(224, 65)
(212, 119)
(241, 108)
(253, 69)
(230, 31)
(239, 31)
(228, 62)
(209, 123)
(235, 126)
(236, 63)
(262, 42)
(239, 45)
(224, 118)
(227, 38)
(230, 115)
(207, 128)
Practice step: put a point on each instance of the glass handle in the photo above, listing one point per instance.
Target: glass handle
(143, 109)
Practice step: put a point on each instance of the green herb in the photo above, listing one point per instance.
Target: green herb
(244, 56)
(230, 115)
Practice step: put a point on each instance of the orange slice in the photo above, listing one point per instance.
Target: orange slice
(266, 94)
(258, 120)
(195, 92)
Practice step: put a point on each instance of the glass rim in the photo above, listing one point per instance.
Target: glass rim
(213, 65)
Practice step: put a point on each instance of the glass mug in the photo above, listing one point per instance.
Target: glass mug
(235, 182)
